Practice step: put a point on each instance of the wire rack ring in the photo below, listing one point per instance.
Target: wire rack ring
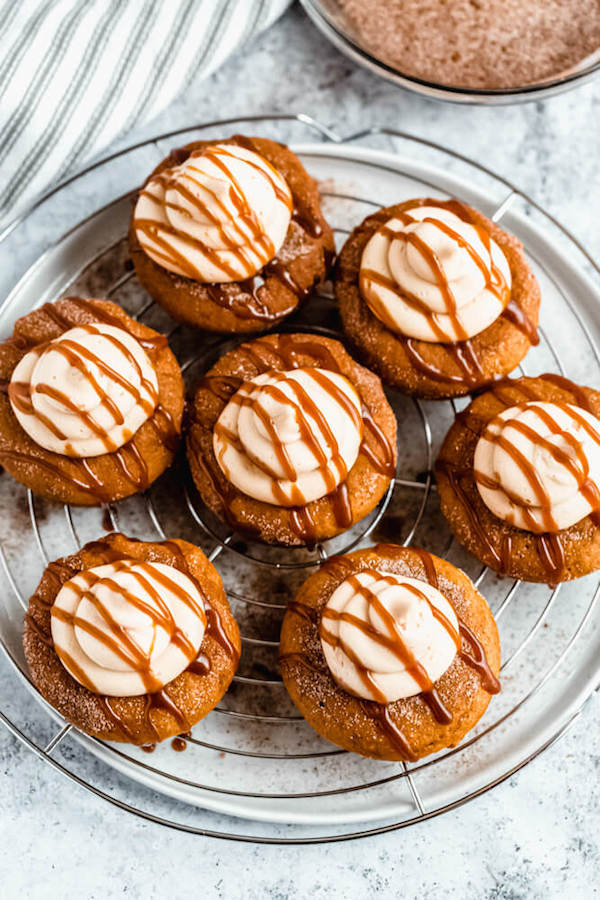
(295, 777)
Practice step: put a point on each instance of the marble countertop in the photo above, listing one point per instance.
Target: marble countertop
(534, 836)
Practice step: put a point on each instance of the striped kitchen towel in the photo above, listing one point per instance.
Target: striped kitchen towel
(76, 74)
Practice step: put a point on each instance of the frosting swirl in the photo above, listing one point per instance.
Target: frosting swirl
(387, 636)
(129, 627)
(288, 438)
(219, 216)
(86, 392)
(537, 465)
(429, 274)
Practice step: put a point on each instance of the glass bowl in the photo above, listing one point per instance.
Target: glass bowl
(334, 24)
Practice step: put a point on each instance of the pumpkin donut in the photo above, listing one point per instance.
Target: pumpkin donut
(518, 478)
(229, 236)
(131, 641)
(290, 440)
(437, 299)
(390, 652)
(92, 403)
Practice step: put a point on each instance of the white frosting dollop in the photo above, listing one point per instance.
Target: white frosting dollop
(381, 639)
(537, 465)
(430, 275)
(219, 216)
(288, 438)
(86, 392)
(128, 628)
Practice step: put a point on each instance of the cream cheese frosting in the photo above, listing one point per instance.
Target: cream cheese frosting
(86, 392)
(537, 465)
(128, 628)
(288, 438)
(387, 636)
(219, 216)
(429, 274)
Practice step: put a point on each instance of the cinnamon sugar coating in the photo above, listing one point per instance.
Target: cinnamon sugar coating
(546, 558)
(276, 291)
(430, 370)
(150, 717)
(320, 519)
(111, 476)
(345, 720)
(485, 44)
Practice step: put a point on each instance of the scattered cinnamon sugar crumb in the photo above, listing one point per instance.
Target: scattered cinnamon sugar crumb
(486, 44)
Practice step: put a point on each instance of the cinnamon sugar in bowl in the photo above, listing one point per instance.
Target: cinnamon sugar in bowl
(497, 51)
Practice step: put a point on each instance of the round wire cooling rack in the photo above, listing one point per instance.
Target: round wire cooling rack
(254, 757)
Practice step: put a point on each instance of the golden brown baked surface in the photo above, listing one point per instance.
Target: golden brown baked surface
(263, 301)
(549, 558)
(405, 729)
(111, 476)
(150, 717)
(366, 482)
(433, 370)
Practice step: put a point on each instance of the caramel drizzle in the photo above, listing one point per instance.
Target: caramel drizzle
(199, 664)
(246, 225)
(392, 640)
(117, 639)
(493, 277)
(457, 346)
(245, 297)
(287, 350)
(549, 546)
(127, 459)
(331, 465)
(469, 648)
(77, 355)
(578, 468)
(517, 316)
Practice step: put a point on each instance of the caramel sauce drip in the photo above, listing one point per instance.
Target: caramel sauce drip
(438, 708)
(128, 461)
(121, 724)
(454, 476)
(214, 626)
(380, 714)
(517, 316)
(474, 656)
(458, 347)
(552, 555)
(342, 506)
(200, 665)
(303, 523)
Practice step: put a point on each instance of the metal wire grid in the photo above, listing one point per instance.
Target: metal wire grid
(223, 546)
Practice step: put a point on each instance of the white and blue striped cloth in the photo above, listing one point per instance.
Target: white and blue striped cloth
(76, 74)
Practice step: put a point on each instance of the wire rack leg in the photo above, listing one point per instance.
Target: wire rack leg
(413, 789)
(64, 731)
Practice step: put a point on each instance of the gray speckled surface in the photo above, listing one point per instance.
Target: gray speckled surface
(535, 835)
